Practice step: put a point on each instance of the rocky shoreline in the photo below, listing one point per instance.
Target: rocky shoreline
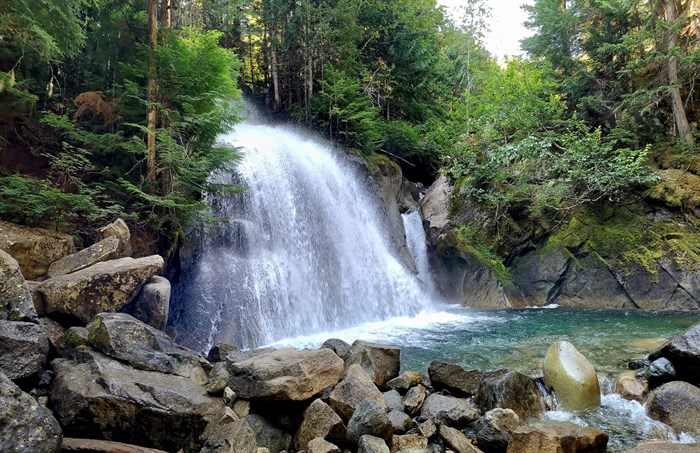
(80, 372)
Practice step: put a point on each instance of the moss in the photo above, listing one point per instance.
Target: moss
(467, 240)
(670, 158)
(622, 237)
(677, 189)
(376, 162)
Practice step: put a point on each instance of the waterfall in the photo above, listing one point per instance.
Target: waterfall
(302, 251)
(415, 239)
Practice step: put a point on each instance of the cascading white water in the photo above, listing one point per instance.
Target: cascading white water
(417, 246)
(302, 252)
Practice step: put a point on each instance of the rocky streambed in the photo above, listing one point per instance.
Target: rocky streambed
(84, 367)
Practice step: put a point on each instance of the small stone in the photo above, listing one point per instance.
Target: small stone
(427, 428)
(393, 401)
(404, 381)
(408, 442)
(400, 421)
(660, 371)
(630, 387)
(319, 445)
(369, 418)
(448, 410)
(494, 429)
(218, 380)
(457, 441)
(372, 444)
(413, 401)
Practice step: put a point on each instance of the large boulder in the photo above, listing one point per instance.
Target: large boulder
(495, 428)
(456, 379)
(227, 433)
(268, 435)
(25, 425)
(103, 287)
(677, 404)
(24, 348)
(118, 229)
(286, 374)
(319, 420)
(16, 302)
(448, 410)
(369, 418)
(34, 248)
(571, 376)
(96, 396)
(381, 362)
(514, 391)
(152, 305)
(684, 352)
(414, 399)
(98, 252)
(557, 437)
(143, 347)
(355, 386)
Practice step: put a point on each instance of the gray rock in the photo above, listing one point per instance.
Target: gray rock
(404, 381)
(119, 229)
(24, 348)
(319, 445)
(103, 287)
(152, 305)
(457, 380)
(676, 404)
(435, 207)
(286, 374)
(16, 302)
(369, 418)
(684, 352)
(268, 435)
(427, 429)
(495, 428)
(104, 250)
(372, 444)
(229, 435)
(400, 421)
(102, 446)
(408, 443)
(414, 398)
(514, 391)
(464, 278)
(52, 329)
(538, 277)
(557, 437)
(456, 440)
(34, 248)
(448, 410)
(381, 362)
(219, 352)
(660, 371)
(393, 401)
(341, 348)
(355, 386)
(25, 425)
(96, 394)
(319, 420)
(660, 290)
(218, 379)
(73, 338)
(127, 339)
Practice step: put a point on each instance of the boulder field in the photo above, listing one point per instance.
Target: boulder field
(78, 372)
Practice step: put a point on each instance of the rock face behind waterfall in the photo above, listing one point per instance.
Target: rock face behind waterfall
(602, 255)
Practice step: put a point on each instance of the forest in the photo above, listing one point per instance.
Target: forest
(112, 107)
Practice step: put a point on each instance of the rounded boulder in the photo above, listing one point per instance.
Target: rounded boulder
(571, 376)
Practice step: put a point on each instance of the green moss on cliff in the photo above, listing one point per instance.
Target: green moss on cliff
(376, 161)
(467, 240)
(627, 236)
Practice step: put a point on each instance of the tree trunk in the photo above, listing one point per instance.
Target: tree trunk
(166, 175)
(277, 99)
(684, 132)
(152, 88)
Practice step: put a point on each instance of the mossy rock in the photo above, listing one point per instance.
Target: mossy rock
(678, 189)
